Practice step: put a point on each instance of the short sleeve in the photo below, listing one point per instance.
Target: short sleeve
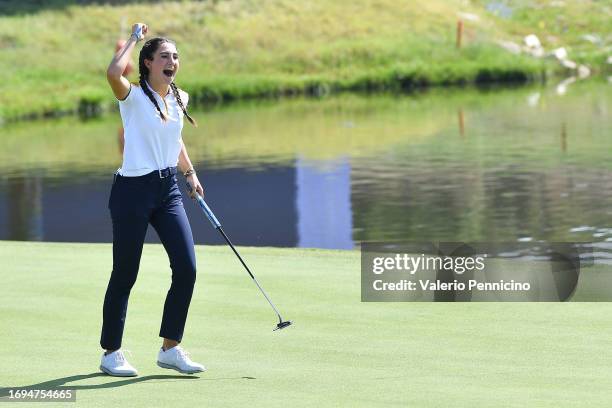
(129, 99)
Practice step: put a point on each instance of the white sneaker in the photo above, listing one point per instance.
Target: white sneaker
(115, 364)
(178, 359)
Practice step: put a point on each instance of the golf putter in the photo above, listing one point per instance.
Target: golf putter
(217, 225)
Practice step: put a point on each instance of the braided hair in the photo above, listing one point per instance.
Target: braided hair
(175, 91)
(148, 50)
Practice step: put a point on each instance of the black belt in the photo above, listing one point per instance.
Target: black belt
(170, 171)
(162, 174)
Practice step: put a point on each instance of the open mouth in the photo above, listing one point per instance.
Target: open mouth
(168, 72)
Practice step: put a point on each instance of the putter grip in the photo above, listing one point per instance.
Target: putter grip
(138, 31)
(211, 217)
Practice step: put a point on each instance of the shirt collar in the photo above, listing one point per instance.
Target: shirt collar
(153, 90)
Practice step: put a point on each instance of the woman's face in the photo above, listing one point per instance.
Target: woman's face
(165, 64)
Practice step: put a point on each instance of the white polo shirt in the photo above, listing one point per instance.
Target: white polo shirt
(150, 143)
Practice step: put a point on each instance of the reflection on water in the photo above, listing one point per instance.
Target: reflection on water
(478, 166)
(24, 221)
(324, 204)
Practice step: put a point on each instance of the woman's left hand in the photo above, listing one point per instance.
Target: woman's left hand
(195, 185)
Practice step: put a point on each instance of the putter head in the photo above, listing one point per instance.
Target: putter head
(282, 325)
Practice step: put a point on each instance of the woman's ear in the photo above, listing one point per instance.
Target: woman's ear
(147, 63)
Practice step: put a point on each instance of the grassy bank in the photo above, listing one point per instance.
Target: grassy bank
(581, 27)
(243, 49)
(340, 352)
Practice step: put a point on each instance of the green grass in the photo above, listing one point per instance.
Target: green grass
(564, 24)
(340, 352)
(238, 49)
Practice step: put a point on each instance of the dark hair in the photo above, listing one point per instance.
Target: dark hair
(148, 49)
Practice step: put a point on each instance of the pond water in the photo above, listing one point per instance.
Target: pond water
(511, 165)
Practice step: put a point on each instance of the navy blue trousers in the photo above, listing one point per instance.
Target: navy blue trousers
(134, 203)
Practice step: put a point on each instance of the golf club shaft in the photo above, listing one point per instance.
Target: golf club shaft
(215, 223)
(249, 271)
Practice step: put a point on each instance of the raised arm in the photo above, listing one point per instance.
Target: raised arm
(114, 73)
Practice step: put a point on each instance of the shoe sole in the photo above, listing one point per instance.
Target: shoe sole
(117, 374)
(171, 367)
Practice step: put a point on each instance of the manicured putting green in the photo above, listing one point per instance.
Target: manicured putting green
(340, 352)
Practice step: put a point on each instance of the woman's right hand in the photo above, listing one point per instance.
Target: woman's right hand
(140, 30)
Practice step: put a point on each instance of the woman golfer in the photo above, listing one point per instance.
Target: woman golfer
(145, 191)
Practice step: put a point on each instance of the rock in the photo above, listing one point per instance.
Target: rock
(583, 71)
(532, 41)
(560, 53)
(569, 64)
(533, 46)
(536, 52)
